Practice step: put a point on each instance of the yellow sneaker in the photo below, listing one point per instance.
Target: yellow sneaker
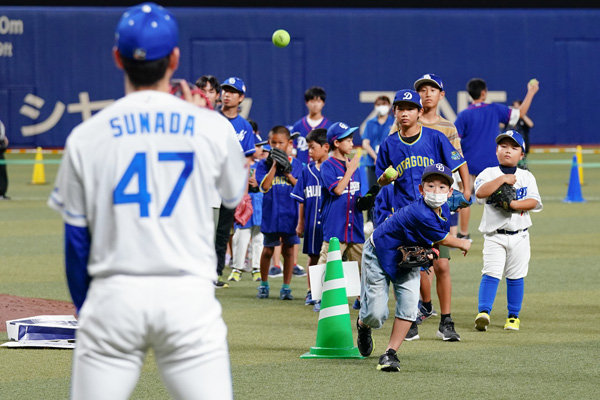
(256, 275)
(236, 276)
(482, 321)
(512, 324)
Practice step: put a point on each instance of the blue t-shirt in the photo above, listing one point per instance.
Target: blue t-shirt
(340, 217)
(376, 134)
(308, 190)
(478, 127)
(279, 211)
(244, 133)
(300, 144)
(414, 225)
(410, 159)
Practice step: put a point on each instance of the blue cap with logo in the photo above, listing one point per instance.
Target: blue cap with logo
(338, 131)
(146, 32)
(430, 78)
(408, 96)
(438, 169)
(235, 83)
(514, 135)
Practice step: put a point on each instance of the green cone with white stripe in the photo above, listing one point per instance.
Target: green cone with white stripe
(334, 333)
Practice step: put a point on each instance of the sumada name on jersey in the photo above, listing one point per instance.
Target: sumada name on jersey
(158, 122)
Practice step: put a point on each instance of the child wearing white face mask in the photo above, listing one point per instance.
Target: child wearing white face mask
(424, 223)
(376, 130)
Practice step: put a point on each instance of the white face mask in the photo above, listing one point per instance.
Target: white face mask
(382, 110)
(435, 200)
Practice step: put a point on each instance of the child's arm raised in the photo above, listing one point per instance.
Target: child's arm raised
(268, 180)
(351, 166)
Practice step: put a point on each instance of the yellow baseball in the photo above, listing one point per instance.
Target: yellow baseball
(281, 38)
(390, 173)
(533, 81)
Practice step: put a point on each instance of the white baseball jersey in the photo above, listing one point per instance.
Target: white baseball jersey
(495, 218)
(140, 175)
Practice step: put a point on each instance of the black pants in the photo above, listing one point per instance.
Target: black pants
(3, 176)
(222, 236)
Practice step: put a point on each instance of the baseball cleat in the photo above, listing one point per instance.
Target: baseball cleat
(308, 301)
(482, 321)
(446, 331)
(317, 306)
(364, 340)
(256, 275)
(219, 284)
(512, 324)
(275, 272)
(263, 292)
(236, 275)
(356, 304)
(413, 333)
(299, 271)
(389, 362)
(286, 294)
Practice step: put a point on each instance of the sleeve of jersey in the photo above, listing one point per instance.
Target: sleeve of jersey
(430, 229)
(329, 177)
(482, 178)
(533, 193)
(68, 195)
(77, 253)
(249, 141)
(234, 172)
(450, 155)
(383, 160)
(460, 125)
(298, 190)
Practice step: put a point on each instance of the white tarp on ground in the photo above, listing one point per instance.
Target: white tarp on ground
(43, 331)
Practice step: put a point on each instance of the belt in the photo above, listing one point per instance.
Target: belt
(505, 232)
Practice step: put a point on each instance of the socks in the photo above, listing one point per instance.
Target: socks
(487, 293)
(444, 316)
(285, 286)
(427, 306)
(264, 283)
(515, 288)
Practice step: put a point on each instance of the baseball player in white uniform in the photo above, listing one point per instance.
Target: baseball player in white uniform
(134, 190)
(506, 249)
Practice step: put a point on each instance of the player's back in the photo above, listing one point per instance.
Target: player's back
(149, 165)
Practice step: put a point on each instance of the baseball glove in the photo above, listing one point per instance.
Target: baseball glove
(366, 202)
(417, 257)
(503, 196)
(244, 210)
(457, 200)
(282, 160)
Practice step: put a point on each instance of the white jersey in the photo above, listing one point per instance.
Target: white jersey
(495, 218)
(140, 175)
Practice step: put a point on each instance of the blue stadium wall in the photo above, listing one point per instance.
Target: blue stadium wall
(56, 67)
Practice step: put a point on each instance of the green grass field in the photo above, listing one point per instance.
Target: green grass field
(554, 355)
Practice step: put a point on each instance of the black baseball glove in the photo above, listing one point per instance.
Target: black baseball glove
(503, 196)
(367, 201)
(282, 160)
(417, 257)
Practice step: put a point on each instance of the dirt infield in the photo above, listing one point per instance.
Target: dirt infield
(14, 307)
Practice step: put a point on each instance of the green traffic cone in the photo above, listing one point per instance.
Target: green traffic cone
(334, 333)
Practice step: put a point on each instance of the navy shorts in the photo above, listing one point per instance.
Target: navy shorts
(274, 239)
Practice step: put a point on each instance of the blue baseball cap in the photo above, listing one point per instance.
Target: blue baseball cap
(514, 135)
(430, 78)
(146, 32)
(438, 169)
(408, 96)
(235, 83)
(338, 131)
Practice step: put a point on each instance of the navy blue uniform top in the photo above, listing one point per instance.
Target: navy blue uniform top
(384, 204)
(308, 190)
(303, 127)
(244, 133)
(410, 159)
(478, 127)
(414, 225)
(279, 212)
(340, 217)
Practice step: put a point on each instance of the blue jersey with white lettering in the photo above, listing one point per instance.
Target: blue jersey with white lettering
(300, 144)
(478, 127)
(410, 159)
(244, 133)
(340, 217)
(279, 211)
(414, 225)
(308, 191)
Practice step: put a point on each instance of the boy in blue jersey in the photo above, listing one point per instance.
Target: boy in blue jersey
(409, 151)
(425, 222)
(280, 215)
(314, 98)
(308, 193)
(478, 127)
(341, 182)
